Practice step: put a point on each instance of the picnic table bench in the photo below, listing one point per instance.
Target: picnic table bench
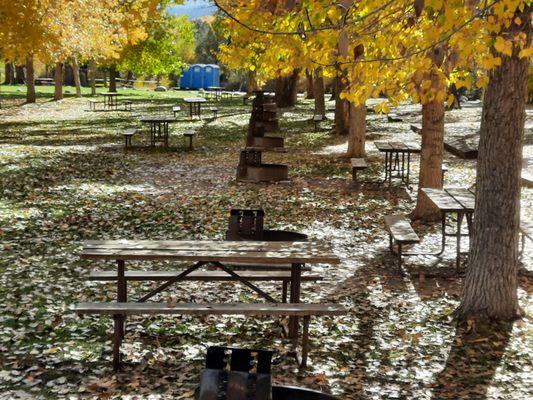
(317, 119)
(358, 164)
(400, 233)
(218, 254)
(128, 134)
(189, 133)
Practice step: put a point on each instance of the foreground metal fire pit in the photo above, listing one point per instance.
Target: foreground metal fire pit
(248, 225)
(235, 374)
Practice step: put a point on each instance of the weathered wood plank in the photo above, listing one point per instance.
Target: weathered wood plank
(442, 200)
(200, 276)
(383, 146)
(463, 196)
(462, 148)
(257, 309)
(358, 163)
(401, 230)
(209, 251)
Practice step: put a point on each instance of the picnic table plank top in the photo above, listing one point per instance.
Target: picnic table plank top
(464, 196)
(445, 201)
(411, 147)
(194, 100)
(158, 118)
(211, 250)
(110, 94)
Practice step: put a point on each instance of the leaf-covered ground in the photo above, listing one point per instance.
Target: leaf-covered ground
(65, 178)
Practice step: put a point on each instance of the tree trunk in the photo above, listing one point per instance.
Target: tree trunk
(310, 89)
(252, 86)
(431, 155)
(342, 109)
(490, 289)
(92, 77)
(318, 90)
(112, 79)
(357, 130)
(286, 90)
(30, 81)
(10, 73)
(104, 74)
(76, 74)
(58, 81)
(19, 75)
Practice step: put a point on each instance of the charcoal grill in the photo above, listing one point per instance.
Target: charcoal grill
(244, 374)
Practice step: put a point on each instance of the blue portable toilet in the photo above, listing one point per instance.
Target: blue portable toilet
(197, 76)
(185, 80)
(212, 75)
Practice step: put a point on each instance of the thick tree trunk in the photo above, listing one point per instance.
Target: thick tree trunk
(30, 81)
(20, 79)
(357, 130)
(342, 109)
(310, 88)
(112, 79)
(252, 85)
(76, 75)
(92, 76)
(318, 90)
(58, 81)
(431, 154)
(490, 290)
(10, 73)
(286, 90)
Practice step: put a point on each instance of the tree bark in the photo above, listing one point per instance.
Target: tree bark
(490, 290)
(10, 73)
(318, 90)
(252, 86)
(286, 90)
(20, 78)
(357, 130)
(310, 89)
(431, 154)
(342, 109)
(92, 76)
(76, 74)
(58, 81)
(30, 81)
(112, 79)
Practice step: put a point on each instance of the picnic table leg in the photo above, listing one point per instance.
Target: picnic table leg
(391, 162)
(296, 278)
(166, 133)
(119, 320)
(460, 216)
(305, 341)
(190, 110)
(199, 110)
(408, 167)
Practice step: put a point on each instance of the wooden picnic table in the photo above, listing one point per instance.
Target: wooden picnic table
(397, 159)
(458, 201)
(220, 254)
(110, 99)
(218, 91)
(195, 104)
(159, 128)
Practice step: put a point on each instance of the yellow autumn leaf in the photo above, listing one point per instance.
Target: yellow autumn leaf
(503, 46)
(524, 53)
